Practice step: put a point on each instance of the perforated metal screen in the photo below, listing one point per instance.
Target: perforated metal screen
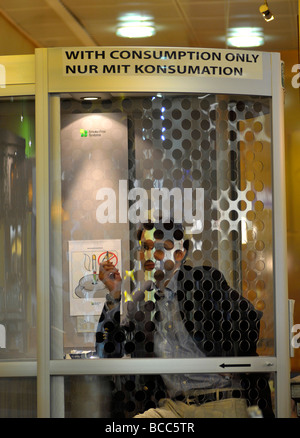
(217, 143)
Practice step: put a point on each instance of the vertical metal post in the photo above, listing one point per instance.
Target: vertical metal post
(280, 245)
(56, 299)
(42, 234)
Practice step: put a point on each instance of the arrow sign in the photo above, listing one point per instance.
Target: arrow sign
(224, 365)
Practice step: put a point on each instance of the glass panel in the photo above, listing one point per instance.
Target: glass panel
(128, 396)
(17, 229)
(210, 157)
(18, 397)
(172, 195)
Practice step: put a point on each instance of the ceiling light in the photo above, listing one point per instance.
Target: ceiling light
(90, 98)
(265, 11)
(245, 37)
(135, 26)
(135, 30)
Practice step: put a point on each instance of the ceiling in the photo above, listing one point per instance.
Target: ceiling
(180, 23)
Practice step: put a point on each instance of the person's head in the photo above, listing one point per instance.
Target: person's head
(162, 247)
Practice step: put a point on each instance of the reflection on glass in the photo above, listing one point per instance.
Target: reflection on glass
(18, 397)
(17, 229)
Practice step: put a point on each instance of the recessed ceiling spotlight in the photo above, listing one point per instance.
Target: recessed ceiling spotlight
(245, 37)
(90, 98)
(135, 26)
(265, 12)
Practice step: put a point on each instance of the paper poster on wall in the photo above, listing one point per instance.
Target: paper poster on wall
(87, 291)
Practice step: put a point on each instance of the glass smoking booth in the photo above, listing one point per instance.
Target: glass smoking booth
(95, 141)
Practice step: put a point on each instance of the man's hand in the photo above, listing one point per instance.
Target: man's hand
(111, 277)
